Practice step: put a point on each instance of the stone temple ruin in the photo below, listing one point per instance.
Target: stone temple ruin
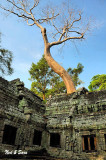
(68, 127)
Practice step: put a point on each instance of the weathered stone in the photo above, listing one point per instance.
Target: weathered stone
(76, 121)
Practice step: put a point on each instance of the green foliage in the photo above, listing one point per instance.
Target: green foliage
(46, 82)
(5, 61)
(98, 83)
(74, 73)
(57, 84)
(40, 74)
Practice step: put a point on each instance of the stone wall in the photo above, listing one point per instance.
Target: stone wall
(78, 118)
(22, 112)
(71, 127)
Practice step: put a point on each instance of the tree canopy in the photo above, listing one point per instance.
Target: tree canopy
(46, 82)
(74, 73)
(40, 74)
(63, 22)
(5, 61)
(98, 83)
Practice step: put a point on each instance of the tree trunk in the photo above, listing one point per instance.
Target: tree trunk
(55, 66)
(59, 70)
(43, 96)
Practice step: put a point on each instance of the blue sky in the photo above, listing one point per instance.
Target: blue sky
(27, 45)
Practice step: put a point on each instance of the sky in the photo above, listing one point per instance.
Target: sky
(27, 46)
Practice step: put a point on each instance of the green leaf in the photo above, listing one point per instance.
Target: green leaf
(5, 61)
(98, 83)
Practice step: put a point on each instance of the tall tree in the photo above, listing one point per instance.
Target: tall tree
(66, 24)
(40, 74)
(98, 83)
(5, 61)
(46, 82)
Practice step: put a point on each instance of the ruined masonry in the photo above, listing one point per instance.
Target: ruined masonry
(68, 127)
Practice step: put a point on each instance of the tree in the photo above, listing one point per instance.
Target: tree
(74, 73)
(57, 83)
(46, 82)
(5, 61)
(40, 74)
(98, 83)
(66, 24)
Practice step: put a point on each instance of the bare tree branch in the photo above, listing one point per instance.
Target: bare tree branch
(36, 2)
(75, 32)
(64, 31)
(55, 27)
(29, 23)
(19, 15)
(21, 2)
(66, 39)
(13, 3)
(46, 19)
(76, 20)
